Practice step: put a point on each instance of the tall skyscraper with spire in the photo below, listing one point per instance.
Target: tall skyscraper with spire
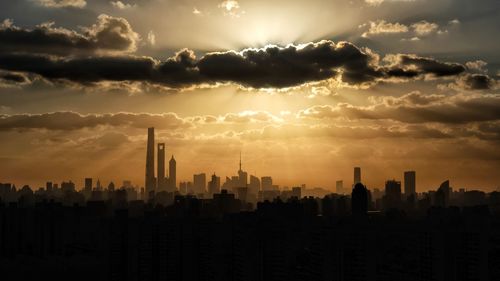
(150, 183)
(242, 177)
(160, 174)
(172, 174)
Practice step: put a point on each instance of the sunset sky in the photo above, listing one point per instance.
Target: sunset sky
(306, 90)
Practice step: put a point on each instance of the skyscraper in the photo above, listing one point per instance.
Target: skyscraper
(392, 198)
(242, 177)
(111, 186)
(410, 183)
(339, 186)
(88, 185)
(442, 195)
(200, 183)
(254, 186)
(160, 174)
(49, 185)
(357, 175)
(214, 185)
(172, 174)
(359, 200)
(150, 183)
(266, 183)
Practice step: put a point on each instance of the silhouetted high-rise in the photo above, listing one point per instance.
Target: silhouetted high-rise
(392, 194)
(160, 174)
(200, 183)
(442, 196)
(254, 186)
(88, 185)
(410, 183)
(49, 186)
(150, 183)
(339, 187)
(214, 185)
(357, 175)
(111, 186)
(266, 183)
(172, 174)
(242, 177)
(359, 200)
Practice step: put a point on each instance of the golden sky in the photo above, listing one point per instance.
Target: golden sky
(306, 90)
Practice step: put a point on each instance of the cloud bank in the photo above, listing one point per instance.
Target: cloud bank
(108, 34)
(61, 54)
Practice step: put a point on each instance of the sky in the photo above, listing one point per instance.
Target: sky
(305, 90)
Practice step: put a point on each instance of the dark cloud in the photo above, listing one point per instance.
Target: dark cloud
(269, 67)
(74, 121)
(431, 66)
(410, 66)
(12, 77)
(83, 70)
(109, 34)
(476, 82)
(289, 66)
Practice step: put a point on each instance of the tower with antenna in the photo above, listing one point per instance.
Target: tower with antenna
(242, 176)
(240, 163)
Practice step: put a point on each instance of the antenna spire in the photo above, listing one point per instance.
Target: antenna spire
(240, 160)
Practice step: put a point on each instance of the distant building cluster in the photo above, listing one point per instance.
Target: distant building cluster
(161, 189)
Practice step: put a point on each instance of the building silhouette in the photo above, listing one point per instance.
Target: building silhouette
(49, 186)
(111, 186)
(161, 183)
(214, 185)
(357, 175)
(150, 182)
(98, 185)
(410, 183)
(88, 184)
(172, 174)
(266, 183)
(199, 183)
(254, 185)
(392, 198)
(442, 195)
(339, 187)
(242, 177)
(359, 200)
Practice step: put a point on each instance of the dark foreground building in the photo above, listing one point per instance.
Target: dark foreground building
(194, 239)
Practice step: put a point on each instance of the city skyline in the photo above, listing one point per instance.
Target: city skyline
(305, 90)
(165, 179)
(250, 140)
